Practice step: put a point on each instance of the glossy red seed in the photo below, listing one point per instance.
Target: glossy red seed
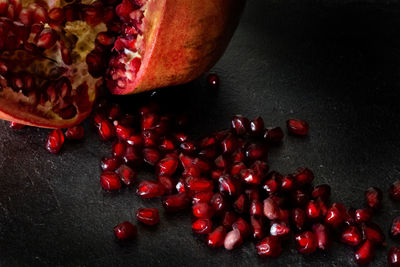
(287, 183)
(177, 202)
(228, 185)
(313, 210)
(306, 242)
(363, 215)
(273, 135)
(365, 253)
(200, 184)
(271, 209)
(372, 232)
(202, 226)
(243, 227)
(110, 181)
(216, 238)
(237, 167)
(188, 147)
(123, 133)
(110, 164)
(202, 210)
(279, 229)
(151, 156)
(240, 204)
(240, 124)
(149, 189)
(149, 120)
(208, 141)
(149, 216)
(150, 138)
(126, 174)
(135, 140)
(299, 218)
(395, 228)
(75, 133)
(256, 208)
(334, 217)
(118, 149)
(272, 185)
(125, 231)
(257, 227)
(106, 130)
(221, 162)
(16, 126)
(393, 256)
(229, 144)
(228, 219)
(322, 236)
(238, 156)
(54, 142)
(256, 151)
(303, 176)
(167, 166)
(233, 239)
(213, 81)
(132, 155)
(168, 183)
(249, 176)
(351, 235)
(394, 190)
(166, 145)
(322, 191)
(297, 127)
(257, 126)
(269, 247)
(373, 197)
(202, 197)
(218, 202)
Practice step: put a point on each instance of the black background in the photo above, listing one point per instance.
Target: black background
(335, 65)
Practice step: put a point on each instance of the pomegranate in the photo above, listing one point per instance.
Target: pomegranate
(54, 54)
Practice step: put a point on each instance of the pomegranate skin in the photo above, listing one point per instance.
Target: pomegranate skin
(180, 50)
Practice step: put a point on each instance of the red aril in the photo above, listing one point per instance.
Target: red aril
(351, 235)
(110, 164)
(202, 210)
(373, 233)
(202, 226)
(280, 229)
(54, 142)
(243, 227)
(110, 181)
(365, 253)
(126, 174)
(216, 238)
(233, 239)
(306, 242)
(322, 236)
(273, 135)
(257, 227)
(394, 190)
(125, 231)
(269, 247)
(75, 133)
(257, 126)
(149, 216)
(373, 197)
(393, 256)
(149, 189)
(297, 127)
(240, 124)
(178, 202)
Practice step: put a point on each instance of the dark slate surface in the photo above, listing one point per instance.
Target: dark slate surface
(336, 65)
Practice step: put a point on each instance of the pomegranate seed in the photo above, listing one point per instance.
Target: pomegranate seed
(297, 127)
(149, 189)
(334, 217)
(167, 145)
(110, 164)
(54, 142)
(273, 135)
(394, 190)
(349, 217)
(306, 242)
(256, 208)
(228, 185)
(351, 236)
(148, 216)
(209, 153)
(255, 151)
(218, 202)
(216, 238)
(75, 133)
(299, 218)
(202, 226)
(238, 156)
(16, 126)
(321, 233)
(240, 204)
(303, 176)
(233, 239)
(168, 183)
(105, 130)
(300, 198)
(373, 197)
(167, 166)
(243, 227)
(273, 184)
(373, 232)
(213, 81)
(208, 141)
(135, 140)
(151, 156)
(200, 184)
(287, 183)
(249, 176)
(393, 256)
(324, 208)
(395, 228)
(257, 126)
(173, 203)
(228, 219)
(181, 137)
(188, 147)
(118, 149)
(123, 132)
(180, 186)
(365, 253)
(237, 168)
(240, 124)
(126, 174)
(269, 247)
(279, 229)
(149, 120)
(257, 227)
(229, 144)
(125, 231)
(114, 112)
(252, 194)
(363, 215)
(322, 191)
(110, 181)
(150, 138)
(202, 210)
(271, 209)
(131, 155)
(313, 210)
(202, 197)
(221, 162)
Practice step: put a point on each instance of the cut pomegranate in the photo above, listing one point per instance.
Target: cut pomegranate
(394, 190)
(110, 181)
(148, 216)
(269, 247)
(125, 231)
(54, 142)
(297, 127)
(393, 257)
(306, 242)
(75, 133)
(233, 239)
(365, 253)
(151, 156)
(373, 197)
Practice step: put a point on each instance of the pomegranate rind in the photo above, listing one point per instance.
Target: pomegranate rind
(182, 40)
